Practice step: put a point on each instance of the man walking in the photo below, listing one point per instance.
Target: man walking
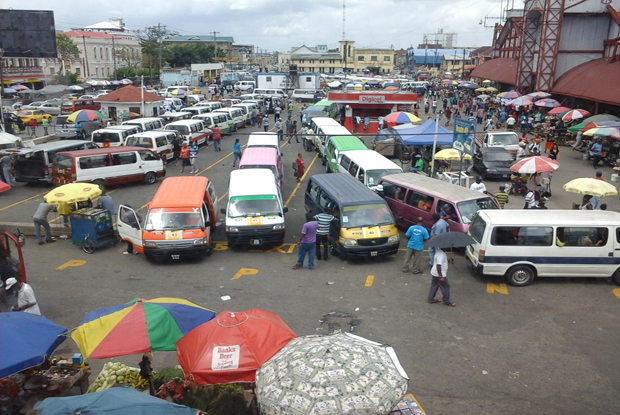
(280, 129)
(276, 113)
(45, 123)
(216, 136)
(440, 226)
(26, 301)
(40, 219)
(324, 220)
(253, 116)
(597, 152)
(439, 275)
(307, 243)
(265, 123)
(193, 157)
(236, 152)
(33, 127)
(417, 234)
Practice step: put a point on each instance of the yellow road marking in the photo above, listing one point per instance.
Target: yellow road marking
(369, 280)
(500, 289)
(22, 201)
(245, 271)
(616, 292)
(301, 181)
(72, 263)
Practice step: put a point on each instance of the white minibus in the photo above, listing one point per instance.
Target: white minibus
(114, 136)
(367, 166)
(321, 128)
(192, 131)
(147, 124)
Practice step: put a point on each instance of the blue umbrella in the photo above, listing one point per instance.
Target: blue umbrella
(26, 341)
(115, 401)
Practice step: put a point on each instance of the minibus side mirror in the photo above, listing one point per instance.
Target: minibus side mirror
(334, 161)
(223, 211)
(207, 224)
(285, 210)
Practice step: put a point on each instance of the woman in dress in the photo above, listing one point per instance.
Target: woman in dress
(554, 153)
(300, 166)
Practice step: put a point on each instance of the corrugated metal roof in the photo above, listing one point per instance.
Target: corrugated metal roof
(502, 70)
(597, 80)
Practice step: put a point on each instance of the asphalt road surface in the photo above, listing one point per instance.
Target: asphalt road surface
(548, 348)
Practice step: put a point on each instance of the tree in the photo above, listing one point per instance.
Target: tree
(151, 39)
(67, 50)
(66, 78)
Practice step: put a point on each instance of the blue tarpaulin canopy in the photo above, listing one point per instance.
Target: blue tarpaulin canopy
(26, 340)
(423, 134)
(115, 401)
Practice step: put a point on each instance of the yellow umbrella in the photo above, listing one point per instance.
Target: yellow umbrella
(451, 154)
(483, 89)
(491, 89)
(589, 186)
(72, 193)
(486, 81)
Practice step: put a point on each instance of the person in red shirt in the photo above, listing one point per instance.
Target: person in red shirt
(217, 138)
(300, 166)
(184, 157)
(33, 127)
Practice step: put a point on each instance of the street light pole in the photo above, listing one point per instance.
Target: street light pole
(437, 118)
(1, 86)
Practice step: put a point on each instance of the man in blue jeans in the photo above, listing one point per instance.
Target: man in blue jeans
(236, 152)
(307, 243)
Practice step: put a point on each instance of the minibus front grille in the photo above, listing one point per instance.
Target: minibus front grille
(175, 244)
(372, 241)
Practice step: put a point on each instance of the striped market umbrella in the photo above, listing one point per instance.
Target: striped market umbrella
(521, 102)
(178, 92)
(603, 132)
(401, 117)
(139, 326)
(574, 115)
(85, 115)
(509, 94)
(538, 95)
(534, 164)
(547, 103)
(558, 110)
(582, 126)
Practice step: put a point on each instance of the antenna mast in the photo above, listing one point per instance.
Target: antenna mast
(344, 20)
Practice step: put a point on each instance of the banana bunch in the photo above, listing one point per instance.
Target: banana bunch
(135, 381)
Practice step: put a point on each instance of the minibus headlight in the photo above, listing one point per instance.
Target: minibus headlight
(278, 227)
(393, 238)
(150, 244)
(232, 229)
(200, 241)
(348, 242)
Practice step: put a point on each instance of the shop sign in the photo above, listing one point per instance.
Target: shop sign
(372, 99)
(225, 357)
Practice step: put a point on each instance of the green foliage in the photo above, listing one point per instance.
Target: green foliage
(68, 78)
(150, 38)
(185, 55)
(217, 399)
(125, 72)
(67, 50)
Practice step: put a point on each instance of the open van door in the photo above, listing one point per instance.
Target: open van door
(129, 227)
(11, 263)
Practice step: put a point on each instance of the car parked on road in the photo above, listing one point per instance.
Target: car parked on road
(52, 108)
(38, 115)
(493, 162)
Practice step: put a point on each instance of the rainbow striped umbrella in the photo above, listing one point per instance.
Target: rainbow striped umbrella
(509, 94)
(401, 117)
(139, 326)
(85, 115)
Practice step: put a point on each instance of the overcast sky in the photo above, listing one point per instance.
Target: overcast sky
(278, 25)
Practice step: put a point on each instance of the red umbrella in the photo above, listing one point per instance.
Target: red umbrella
(558, 110)
(534, 164)
(231, 347)
(574, 115)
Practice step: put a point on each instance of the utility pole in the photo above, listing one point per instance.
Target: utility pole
(463, 70)
(215, 44)
(87, 71)
(114, 58)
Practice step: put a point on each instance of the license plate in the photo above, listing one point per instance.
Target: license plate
(373, 253)
(175, 256)
(255, 242)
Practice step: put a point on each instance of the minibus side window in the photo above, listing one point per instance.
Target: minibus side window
(522, 236)
(325, 201)
(124, 158)
(148, 155)
(93, 162)
(314, 191)
(419, 200)
(582, 236)
(344, 162)
(446, 210)
(353, 168)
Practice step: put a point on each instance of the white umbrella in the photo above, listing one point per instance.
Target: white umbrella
(334, 84)
(335, 374)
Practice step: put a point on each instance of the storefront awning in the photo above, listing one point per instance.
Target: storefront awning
(597, 80)
(503, 70)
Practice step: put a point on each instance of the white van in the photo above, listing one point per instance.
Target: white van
(114, 136)
(367, 166)
(321, 129)
(245, 86)
(524, 244)
(108, 166)
(192, 131)
(263, 139)
(255, 211)
(147, 124)
(246, 109)
(169, 117)
(196, 110)
(212, 105)
(158, 141)
(236, 116)
(260, 104)
(263, 93)
(175, 103)
(246, 97)
(216, 119)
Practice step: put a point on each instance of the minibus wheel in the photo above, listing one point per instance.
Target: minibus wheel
(520, 275)
(616, 277)
(99, 183)
(150, 178)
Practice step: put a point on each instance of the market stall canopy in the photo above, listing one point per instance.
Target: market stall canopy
(232, 347)
(71, 193)
(502, 70)
(593, 80)
(26, 340)
(590, 186)
(423, 134)
(115, 401)
(333, 374)
(138, 326)
(53, 89)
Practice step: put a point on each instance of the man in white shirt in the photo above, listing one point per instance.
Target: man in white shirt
(510, 123)
(439, 275)
(26, 301)
(478, 186)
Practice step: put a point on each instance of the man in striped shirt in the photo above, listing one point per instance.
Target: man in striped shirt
(322, 234)
(502, 196)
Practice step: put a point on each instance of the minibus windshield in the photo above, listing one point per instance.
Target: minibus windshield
(469, 208)
(366, 215)
(166, 220)
(262, 205)
(375, 175)
(105, 137)
(182, 129)
(477, 227)
(62, 162)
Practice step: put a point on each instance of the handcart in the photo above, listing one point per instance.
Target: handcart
(92, 228)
